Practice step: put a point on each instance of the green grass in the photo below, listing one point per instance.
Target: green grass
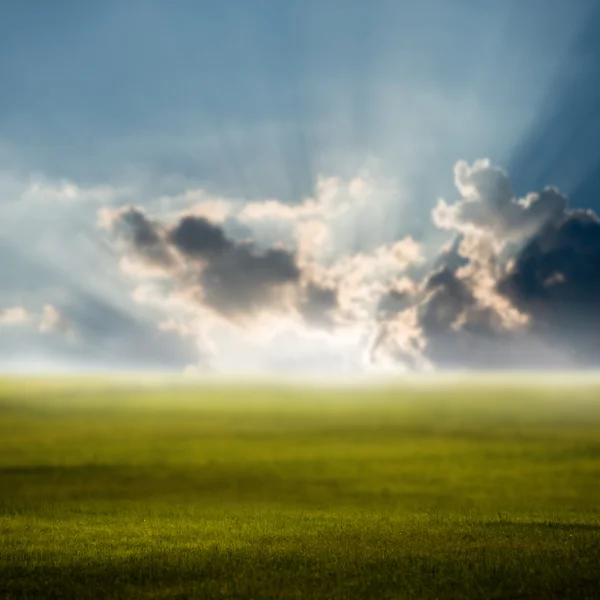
(112, 490)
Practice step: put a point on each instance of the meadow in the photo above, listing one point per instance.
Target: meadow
(467, 489)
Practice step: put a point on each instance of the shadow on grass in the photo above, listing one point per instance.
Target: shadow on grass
(212, 481)
(56, 470)
(541, 525)
(258, 574)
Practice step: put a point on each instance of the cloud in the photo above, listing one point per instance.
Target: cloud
(197, 237)
(243, 280)
(555, 278)
(342, 216)
(235, 279)
(488, 205)
(318, 304)
(50, 320)
(397, 297)
(14, 315)
(53, 321)
(65, 191)
(398, 342)
(40, 191)
(519, 286)
(516, 285)
(143, 242)
(212, 275)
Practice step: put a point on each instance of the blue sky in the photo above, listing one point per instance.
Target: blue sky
(218, 91)
(251, 100)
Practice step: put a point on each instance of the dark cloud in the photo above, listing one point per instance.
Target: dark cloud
(394, 301)
(448, 297)
(244, 280)
(556, 280)
(198, 237)
(318, 304)
(457, 332)
(238, 278)
(234, 278)
(144, 236)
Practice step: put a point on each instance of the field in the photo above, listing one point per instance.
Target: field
(110, 489)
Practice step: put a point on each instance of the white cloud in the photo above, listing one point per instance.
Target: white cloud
(14, 315)
(64, 191)
(53, 321)
(489, 208)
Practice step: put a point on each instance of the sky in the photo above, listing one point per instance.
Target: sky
(330, 187)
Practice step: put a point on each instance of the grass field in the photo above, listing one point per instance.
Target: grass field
(479, 490)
